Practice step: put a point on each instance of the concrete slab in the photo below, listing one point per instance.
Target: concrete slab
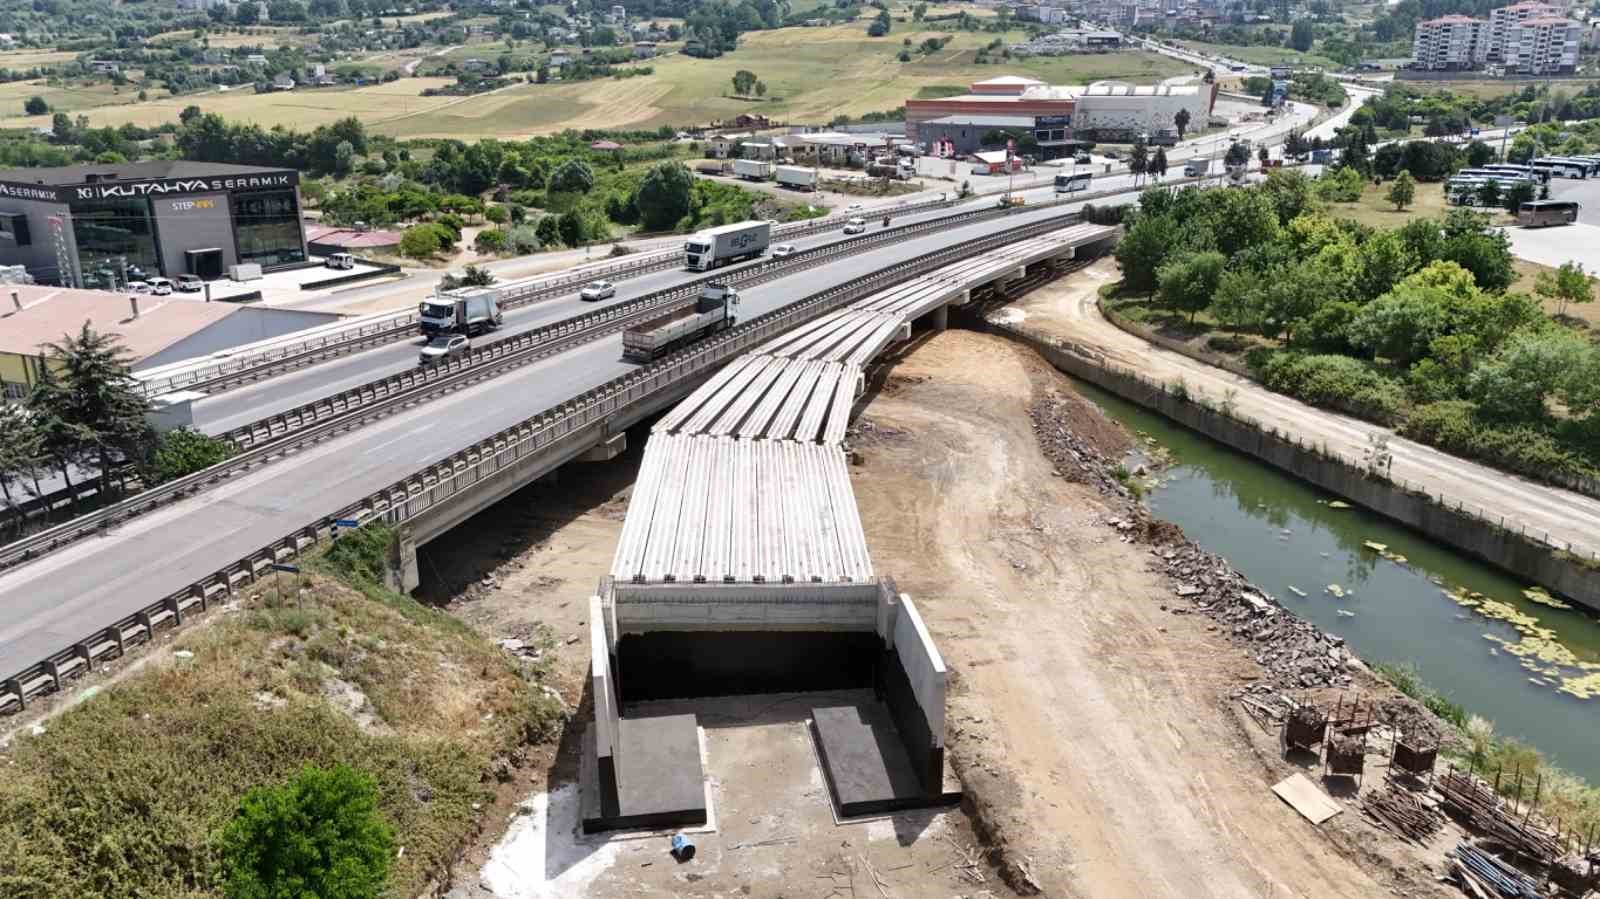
(866, 765)
(660, 782)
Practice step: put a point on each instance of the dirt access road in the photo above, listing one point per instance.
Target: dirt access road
(1068, 309)
(1092, 726)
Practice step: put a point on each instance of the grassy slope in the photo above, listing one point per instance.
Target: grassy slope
(1263, 55)
(124, 794)
(812, 74)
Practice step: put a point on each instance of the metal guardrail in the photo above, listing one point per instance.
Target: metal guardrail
(382, 328)
(436, 483)
(262, 439)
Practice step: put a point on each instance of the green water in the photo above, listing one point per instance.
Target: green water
(1281, 533)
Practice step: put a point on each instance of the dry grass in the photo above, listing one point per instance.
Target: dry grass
(1488, 88)
(1374, 210)
(27, 59)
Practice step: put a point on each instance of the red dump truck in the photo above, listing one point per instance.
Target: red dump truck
(661, 335)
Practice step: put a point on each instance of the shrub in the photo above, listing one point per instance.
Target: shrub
(184, 451)
(1454, 426)
(317, 835)
(1337, 382)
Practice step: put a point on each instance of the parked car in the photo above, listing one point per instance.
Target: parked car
(340, 260)
(783, 249)
(854, 207)
(161, 287)
(139, 286)
(1082, 159)
(597, 290)
(445, 346)
(189, 283)
(855, 226)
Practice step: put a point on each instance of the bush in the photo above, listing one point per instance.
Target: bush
(490, 240)
(317, 835)
(1454, 426)
(184, 451)
(1337, 382)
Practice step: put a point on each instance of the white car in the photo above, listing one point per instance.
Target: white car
(161, 287)
(854, 207)
(442, 347)
(190, 283)
(855, 226)
(781, 250)
(139, 286)
(597, 290)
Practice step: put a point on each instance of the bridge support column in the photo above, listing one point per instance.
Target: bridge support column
(402, 574)
(939, 319)
(611, 448)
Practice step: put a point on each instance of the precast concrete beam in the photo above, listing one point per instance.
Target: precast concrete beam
(609, 449)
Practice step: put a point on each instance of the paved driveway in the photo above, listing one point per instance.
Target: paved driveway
(1556, 245)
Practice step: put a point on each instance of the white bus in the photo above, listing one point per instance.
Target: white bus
(1566, 168)
(1071, 184)
(1527, 171)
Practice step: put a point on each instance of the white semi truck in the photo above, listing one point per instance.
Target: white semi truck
(752, 169)
(797, 177)
(1196, 167)
(711, 313)
(473, 310)
(729, 243)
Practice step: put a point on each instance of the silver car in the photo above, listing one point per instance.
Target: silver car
(597, 290)
(445, 346)
(781, 250)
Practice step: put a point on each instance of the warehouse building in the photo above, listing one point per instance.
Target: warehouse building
(104, 224)
(154, 330)
(1060, 117)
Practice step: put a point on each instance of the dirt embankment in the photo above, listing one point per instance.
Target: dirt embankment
(1095, 728)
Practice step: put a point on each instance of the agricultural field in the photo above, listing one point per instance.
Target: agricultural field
(812, 74)
(62, 97)
(27, 59)
(1262, 56)
(1490, 88)
(254, 36)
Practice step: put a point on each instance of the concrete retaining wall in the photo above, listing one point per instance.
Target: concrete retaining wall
(1524, 555)
(641, 608)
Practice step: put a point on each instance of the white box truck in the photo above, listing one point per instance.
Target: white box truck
(752, 169)
(470, 311)
(711, 313)
(729, 243)
(797, 177)
(1194, 168)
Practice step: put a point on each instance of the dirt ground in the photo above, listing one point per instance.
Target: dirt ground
(1092, 729)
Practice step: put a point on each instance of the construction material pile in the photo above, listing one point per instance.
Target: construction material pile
(1402, 812)
(1471, 799)
(1481, 875)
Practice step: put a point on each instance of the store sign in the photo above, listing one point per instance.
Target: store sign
(134, 189)
(14, 191)
(192, 205)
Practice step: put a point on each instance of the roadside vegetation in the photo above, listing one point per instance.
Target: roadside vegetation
(1413, 326)
(326, 716)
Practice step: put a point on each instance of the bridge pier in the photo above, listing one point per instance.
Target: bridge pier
(402, 573)
(939, 319)
(606, 450)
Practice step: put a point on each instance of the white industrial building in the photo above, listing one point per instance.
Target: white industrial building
(1120, 106)
(1451, 43)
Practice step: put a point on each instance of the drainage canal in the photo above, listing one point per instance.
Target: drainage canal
(1475, 634)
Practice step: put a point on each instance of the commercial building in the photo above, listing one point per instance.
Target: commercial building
(1547, 45)
(1118, 111)
(1502, 19)
(154, 330)
(1450, 43)
(104, 224)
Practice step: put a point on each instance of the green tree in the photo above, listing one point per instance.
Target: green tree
(1479, 154)
(1402, 190)
(1513, 384)
(1489, 194)
(95, 412)
(344, 154)
(1567, 284)
(189, 114)
(35, 106)
(21, 448)
(319, 834)
(1401, 324)
(497, 215)
(547, 230)
(1382, 260)
(420, 241)
(761, 88)
(1138, 160)
(1144, 249)
(489, 241)
(918, 12)
(880, 25)
(1517, 194)
(1301, 35)
(1189, 282)
(1180, 121)
(573, 176)
(570, 226)
(1237, 155)
(184, 451)
(744, 81)
(664, 195)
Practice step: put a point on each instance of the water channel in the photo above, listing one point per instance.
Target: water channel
(1467, 627)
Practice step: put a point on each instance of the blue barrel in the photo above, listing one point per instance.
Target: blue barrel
(682, 849)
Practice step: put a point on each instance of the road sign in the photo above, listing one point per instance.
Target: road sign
(346, 523)
(288, 569)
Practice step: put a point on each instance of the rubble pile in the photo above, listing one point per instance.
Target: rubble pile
(1076, 459)
(1294, 653)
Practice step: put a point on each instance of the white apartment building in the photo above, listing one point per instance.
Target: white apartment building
(1547, 45)
(1501, 20)
(1450, 43)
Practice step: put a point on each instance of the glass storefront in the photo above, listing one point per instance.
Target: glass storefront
(266, 226)
(109, 232)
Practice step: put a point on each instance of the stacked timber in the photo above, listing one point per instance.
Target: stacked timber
(1401, 812)
(1475, 802)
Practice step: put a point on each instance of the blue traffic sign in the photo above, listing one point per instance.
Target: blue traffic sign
(291, 569)
(346, 523)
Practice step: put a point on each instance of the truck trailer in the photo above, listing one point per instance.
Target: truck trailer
(1196, 167)
(797, 177)
(664, 333)
(471, 311)
(752, 169)
(729, 243)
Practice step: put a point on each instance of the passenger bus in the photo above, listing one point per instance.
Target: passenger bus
(1526, 171)
(1565, 168)
(1538, 213)
(1071, 184)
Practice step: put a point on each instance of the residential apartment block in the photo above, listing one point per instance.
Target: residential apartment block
(1501, 21)
(1450, 43)
(1547, 45)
